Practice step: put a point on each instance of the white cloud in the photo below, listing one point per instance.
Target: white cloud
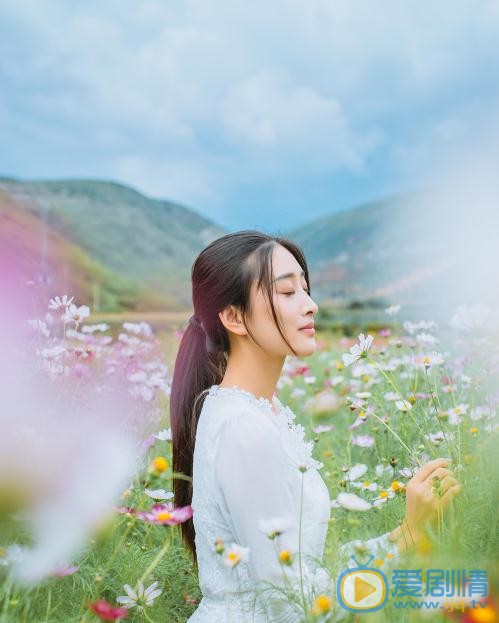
(233, 93)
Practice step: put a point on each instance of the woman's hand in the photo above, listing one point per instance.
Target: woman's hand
(429, 492)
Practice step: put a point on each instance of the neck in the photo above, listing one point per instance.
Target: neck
(252, 369)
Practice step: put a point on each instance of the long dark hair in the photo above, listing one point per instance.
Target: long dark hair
(222, 275)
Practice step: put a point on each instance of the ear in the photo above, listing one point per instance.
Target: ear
(232, 320)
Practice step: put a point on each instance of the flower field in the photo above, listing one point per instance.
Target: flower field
(89, 530)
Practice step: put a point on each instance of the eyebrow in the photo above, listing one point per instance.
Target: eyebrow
(288, 275)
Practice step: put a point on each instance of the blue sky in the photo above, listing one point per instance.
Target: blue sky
(256, 114)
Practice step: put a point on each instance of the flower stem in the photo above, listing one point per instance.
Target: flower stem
(299, 544)
(156, 561)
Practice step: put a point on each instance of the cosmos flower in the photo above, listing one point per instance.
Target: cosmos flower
(403, 405)
(166, 514)
(455, 413)
(140, 597)
(159, 494)
(106, 611)
(164, 435)
(58, 302)
(356, 471)
(76, 314)
(351, 502)
(274, 526)
(235, 554)
(358, 351)
(363, 441)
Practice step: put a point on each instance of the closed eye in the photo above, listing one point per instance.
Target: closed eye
(291, 293)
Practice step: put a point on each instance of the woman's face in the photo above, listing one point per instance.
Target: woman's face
(294, 308)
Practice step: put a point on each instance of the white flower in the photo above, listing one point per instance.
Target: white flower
(92, 328)
(358, 351)
(322, 428)
(274, 526)
(438, 438)
(413, 327)
(426, 338)
(140, 597)
(392, 309)
(387, 494)
(470, 317)
(363, 441)
(52, 353)
(235, 554)
(383, 470)
(57, 302)
(403, 405)
(140, 328)
(392, 396)
(428, 361)
(159, 494)
(356, 471)
(351, 502)
(13, 554)
(480, 412)
(39, 325)
(310, 380)
(76, 314)
(164, 435)
(298, 392)
(455, 413)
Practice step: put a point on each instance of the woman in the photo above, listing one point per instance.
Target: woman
(260, 506)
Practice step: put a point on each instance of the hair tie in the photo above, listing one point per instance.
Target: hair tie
(195, 322)
(211, 346)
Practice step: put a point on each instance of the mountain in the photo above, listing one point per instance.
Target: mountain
(118, 249)
(121, 248)
(379, 251)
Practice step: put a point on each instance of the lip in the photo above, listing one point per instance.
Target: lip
(310, 325)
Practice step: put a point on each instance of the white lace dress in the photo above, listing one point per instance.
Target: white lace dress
(246, 469)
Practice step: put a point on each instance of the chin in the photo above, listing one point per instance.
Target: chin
(306, 351)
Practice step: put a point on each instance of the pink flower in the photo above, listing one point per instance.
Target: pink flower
(64, 569)
(126, 509)
(166, 514)
(363, 441)
(106, 611)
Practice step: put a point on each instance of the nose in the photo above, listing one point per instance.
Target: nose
(311, 305)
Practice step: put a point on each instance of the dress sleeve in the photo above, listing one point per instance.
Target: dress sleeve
(253, 476)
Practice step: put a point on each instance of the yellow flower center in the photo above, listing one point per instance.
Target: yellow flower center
(163, 516)
(474, 430)
(285, 555)
(322, 603)
(366, 483)
(160, 464)
(426, 360)
(383, 494)
(232, 556)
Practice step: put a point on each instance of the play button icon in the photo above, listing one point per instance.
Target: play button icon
(362, 589)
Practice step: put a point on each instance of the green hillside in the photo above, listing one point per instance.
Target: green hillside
(144, 246)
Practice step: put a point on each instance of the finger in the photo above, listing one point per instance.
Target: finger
(451, 493)
(428, 468)
(447, 482)
(440, 472)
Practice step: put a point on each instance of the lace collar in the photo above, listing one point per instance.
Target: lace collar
(285, 420)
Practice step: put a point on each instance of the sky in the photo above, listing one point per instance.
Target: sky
(254, 114)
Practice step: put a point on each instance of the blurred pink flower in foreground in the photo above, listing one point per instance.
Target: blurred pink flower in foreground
(106, 611)
(166, 514)
(71, 425)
